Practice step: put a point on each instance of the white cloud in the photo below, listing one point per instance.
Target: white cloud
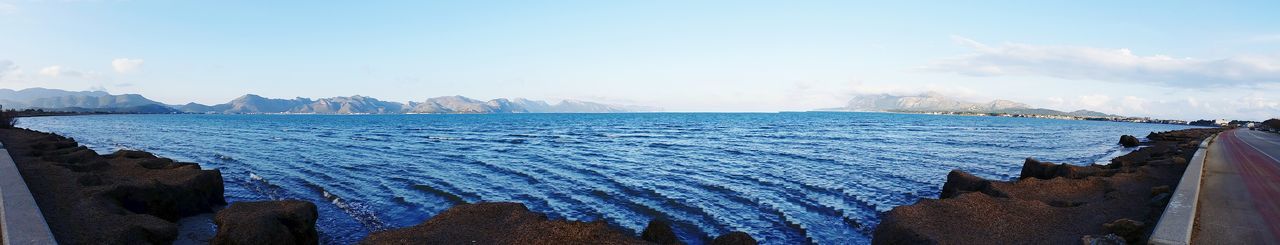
(7, 66)
(1265, 38)
(1248, 107)
(1110, 65)
(7, 8)
(59, 71)
(126, 65)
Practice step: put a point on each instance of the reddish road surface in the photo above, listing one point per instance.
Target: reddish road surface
(1240, 192)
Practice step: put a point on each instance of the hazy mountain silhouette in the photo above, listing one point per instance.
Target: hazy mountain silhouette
(936, 102)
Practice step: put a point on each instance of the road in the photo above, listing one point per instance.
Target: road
(1240, 193)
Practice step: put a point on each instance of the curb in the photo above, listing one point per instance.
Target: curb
(21, 221)
(1176, 224)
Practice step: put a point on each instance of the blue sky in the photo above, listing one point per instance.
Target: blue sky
(1164, 59)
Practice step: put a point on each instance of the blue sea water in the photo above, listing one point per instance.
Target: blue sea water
(784, 178)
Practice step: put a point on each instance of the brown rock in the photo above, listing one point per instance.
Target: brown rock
(128, 197)
(1032, 168)
(1128, 229)
(959, 182)
(1160, 189)
(659, 232)
(1108, 239)
(500, 223)
(267, 222)
(1129, 141)
(734, 238)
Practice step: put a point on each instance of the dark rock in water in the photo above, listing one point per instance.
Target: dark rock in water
(659, 232)
(1129, 141)
(734, 238)
(268, 222)
(959, 182)
(500, 223)
(1128, 229)
(1109, 239)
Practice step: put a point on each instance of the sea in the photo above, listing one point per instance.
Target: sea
(783, 178)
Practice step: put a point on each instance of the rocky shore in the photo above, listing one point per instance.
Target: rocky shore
(1052, 203)
(127, 197)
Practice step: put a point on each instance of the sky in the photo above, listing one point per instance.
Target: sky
(1164, 59)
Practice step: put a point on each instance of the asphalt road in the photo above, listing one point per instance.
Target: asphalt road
(1240, 192)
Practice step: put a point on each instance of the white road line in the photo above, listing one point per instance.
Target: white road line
(1255, 136)
(1246, 142)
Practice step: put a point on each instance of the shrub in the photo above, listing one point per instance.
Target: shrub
(8, 119)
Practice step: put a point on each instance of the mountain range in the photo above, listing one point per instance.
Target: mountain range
(97, 101)
(936, 102)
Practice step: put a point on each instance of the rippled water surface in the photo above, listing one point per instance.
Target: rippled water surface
(784, 178)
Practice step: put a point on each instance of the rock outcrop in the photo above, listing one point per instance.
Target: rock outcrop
(267, 222)
(1129, 140)
(1051, 203)
(500, 223)
(734, 238)
(959, 182)
(127, 197)
(512, 223)
(1032, 168)
(659, 232)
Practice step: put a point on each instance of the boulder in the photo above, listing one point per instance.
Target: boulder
(960, 182)
(1129, 141)
(734, 238)
(1160, 189)
(1032, 168)
(1109, 239)
(659, 232)
(267, 222)
(500, 223)
(1130, 230)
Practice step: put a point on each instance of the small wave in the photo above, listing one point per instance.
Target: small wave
(356, 210)
(455, 199)
(442, 138)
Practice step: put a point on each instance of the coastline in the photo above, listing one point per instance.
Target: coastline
(1052, 203)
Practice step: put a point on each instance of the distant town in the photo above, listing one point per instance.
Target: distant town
(1202, 122)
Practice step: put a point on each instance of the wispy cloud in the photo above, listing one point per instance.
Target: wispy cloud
(1252, 106)
(59, 71)
(8, 8)
(126, 65)
(1273, 38)
(7, 66)
(1110, 65)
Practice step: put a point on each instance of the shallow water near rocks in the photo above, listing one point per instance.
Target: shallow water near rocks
(784, 178)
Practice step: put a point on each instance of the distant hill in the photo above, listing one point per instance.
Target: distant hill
(252, 104)
(82, 101)
(98, 101)
(936, 102)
